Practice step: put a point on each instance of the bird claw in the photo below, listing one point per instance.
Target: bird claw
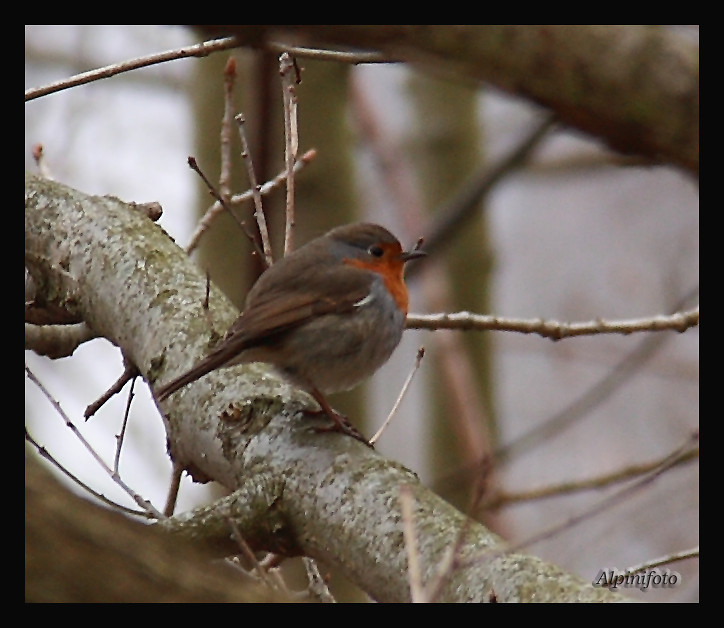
(341, 424)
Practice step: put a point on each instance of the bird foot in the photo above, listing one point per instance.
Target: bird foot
(339, 423)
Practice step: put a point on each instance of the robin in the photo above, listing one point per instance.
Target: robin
(326, 316)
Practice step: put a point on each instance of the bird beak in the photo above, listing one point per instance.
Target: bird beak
(406, 256)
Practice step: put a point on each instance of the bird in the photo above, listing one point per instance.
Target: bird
(326, 316)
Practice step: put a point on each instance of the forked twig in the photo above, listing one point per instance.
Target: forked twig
(143, 503)
(213, 191)
(238, 199)
(42, 451)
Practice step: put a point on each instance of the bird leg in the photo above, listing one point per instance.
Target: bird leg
(340, 423)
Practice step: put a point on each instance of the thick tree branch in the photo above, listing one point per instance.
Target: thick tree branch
(635, 87)
(56, 341)
(296, 491)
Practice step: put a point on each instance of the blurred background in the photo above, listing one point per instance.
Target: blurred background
(577, 234)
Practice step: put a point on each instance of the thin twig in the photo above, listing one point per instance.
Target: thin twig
(42, 451)
(317, 587)
(246, 550)
(451, 559)
(276, 574)
(173, 489)
(212, 190)
(207, 294)
(622, 475)
(615, 377)
(143, 503)
(669, 462)
(124, 424)
(238, 199)
(289, 74)
(405, 386)
(606, 386)
(199, 50)
(225, 139)
(445, 567)
(354, 58)
(206, 301)
(407, 507)
(680, 321)
(664, 560)
(605, 503)
(256, 194)
(130, 372)
(40, 161)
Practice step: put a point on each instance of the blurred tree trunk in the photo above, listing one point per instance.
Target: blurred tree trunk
(446, 150)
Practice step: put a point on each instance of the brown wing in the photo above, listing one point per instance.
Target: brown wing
(272, 310)
(308, 283)
(266, 317)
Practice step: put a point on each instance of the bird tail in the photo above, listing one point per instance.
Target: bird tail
(206, 365)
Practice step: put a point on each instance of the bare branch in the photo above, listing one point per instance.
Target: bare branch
(173, 489)
(248, 553)
(124, 425)
(212, 190)
(256, 194)
(225, 140)
(317, 588)
(143, 503)
(668, 462)
(503, 498)
(680, 321)
(42, 451)
(403, 390)
(289, 73)
(617, 376)
(238, 199)
(200, 50)
(130, 372)
(318, 54)
(674, 557)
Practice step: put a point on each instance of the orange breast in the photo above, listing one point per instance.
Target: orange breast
(392, 271)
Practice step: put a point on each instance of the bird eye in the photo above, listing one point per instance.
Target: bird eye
(376, 251)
